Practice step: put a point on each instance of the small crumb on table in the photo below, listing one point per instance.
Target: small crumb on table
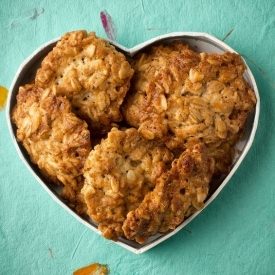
(93, 269)
(3, 96)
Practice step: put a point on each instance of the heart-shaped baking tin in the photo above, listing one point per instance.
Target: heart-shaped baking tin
(201, 42)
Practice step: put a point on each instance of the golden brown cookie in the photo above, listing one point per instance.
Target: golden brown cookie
(180, 95)
(91, 73)
(178, 193)
(55, 139)
(159, 73)
(118, 173)
(214, 102)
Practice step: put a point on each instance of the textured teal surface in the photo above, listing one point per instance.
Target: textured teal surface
(234, 235)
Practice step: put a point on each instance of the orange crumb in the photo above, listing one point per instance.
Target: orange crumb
(3, 96)
(93, 269)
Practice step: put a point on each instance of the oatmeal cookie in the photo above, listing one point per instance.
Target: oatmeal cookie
(118, 173)
(180, 95)
(159, 74)
(91, 73)
(56, 140)
(179, 193)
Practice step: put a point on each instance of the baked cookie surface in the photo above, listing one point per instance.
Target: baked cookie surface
(118, 173)
(91, 73)
(55, 139)
(159, 74)
(179, 193)
(180, 95)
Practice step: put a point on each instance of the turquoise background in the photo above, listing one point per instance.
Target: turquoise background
(234, 235)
